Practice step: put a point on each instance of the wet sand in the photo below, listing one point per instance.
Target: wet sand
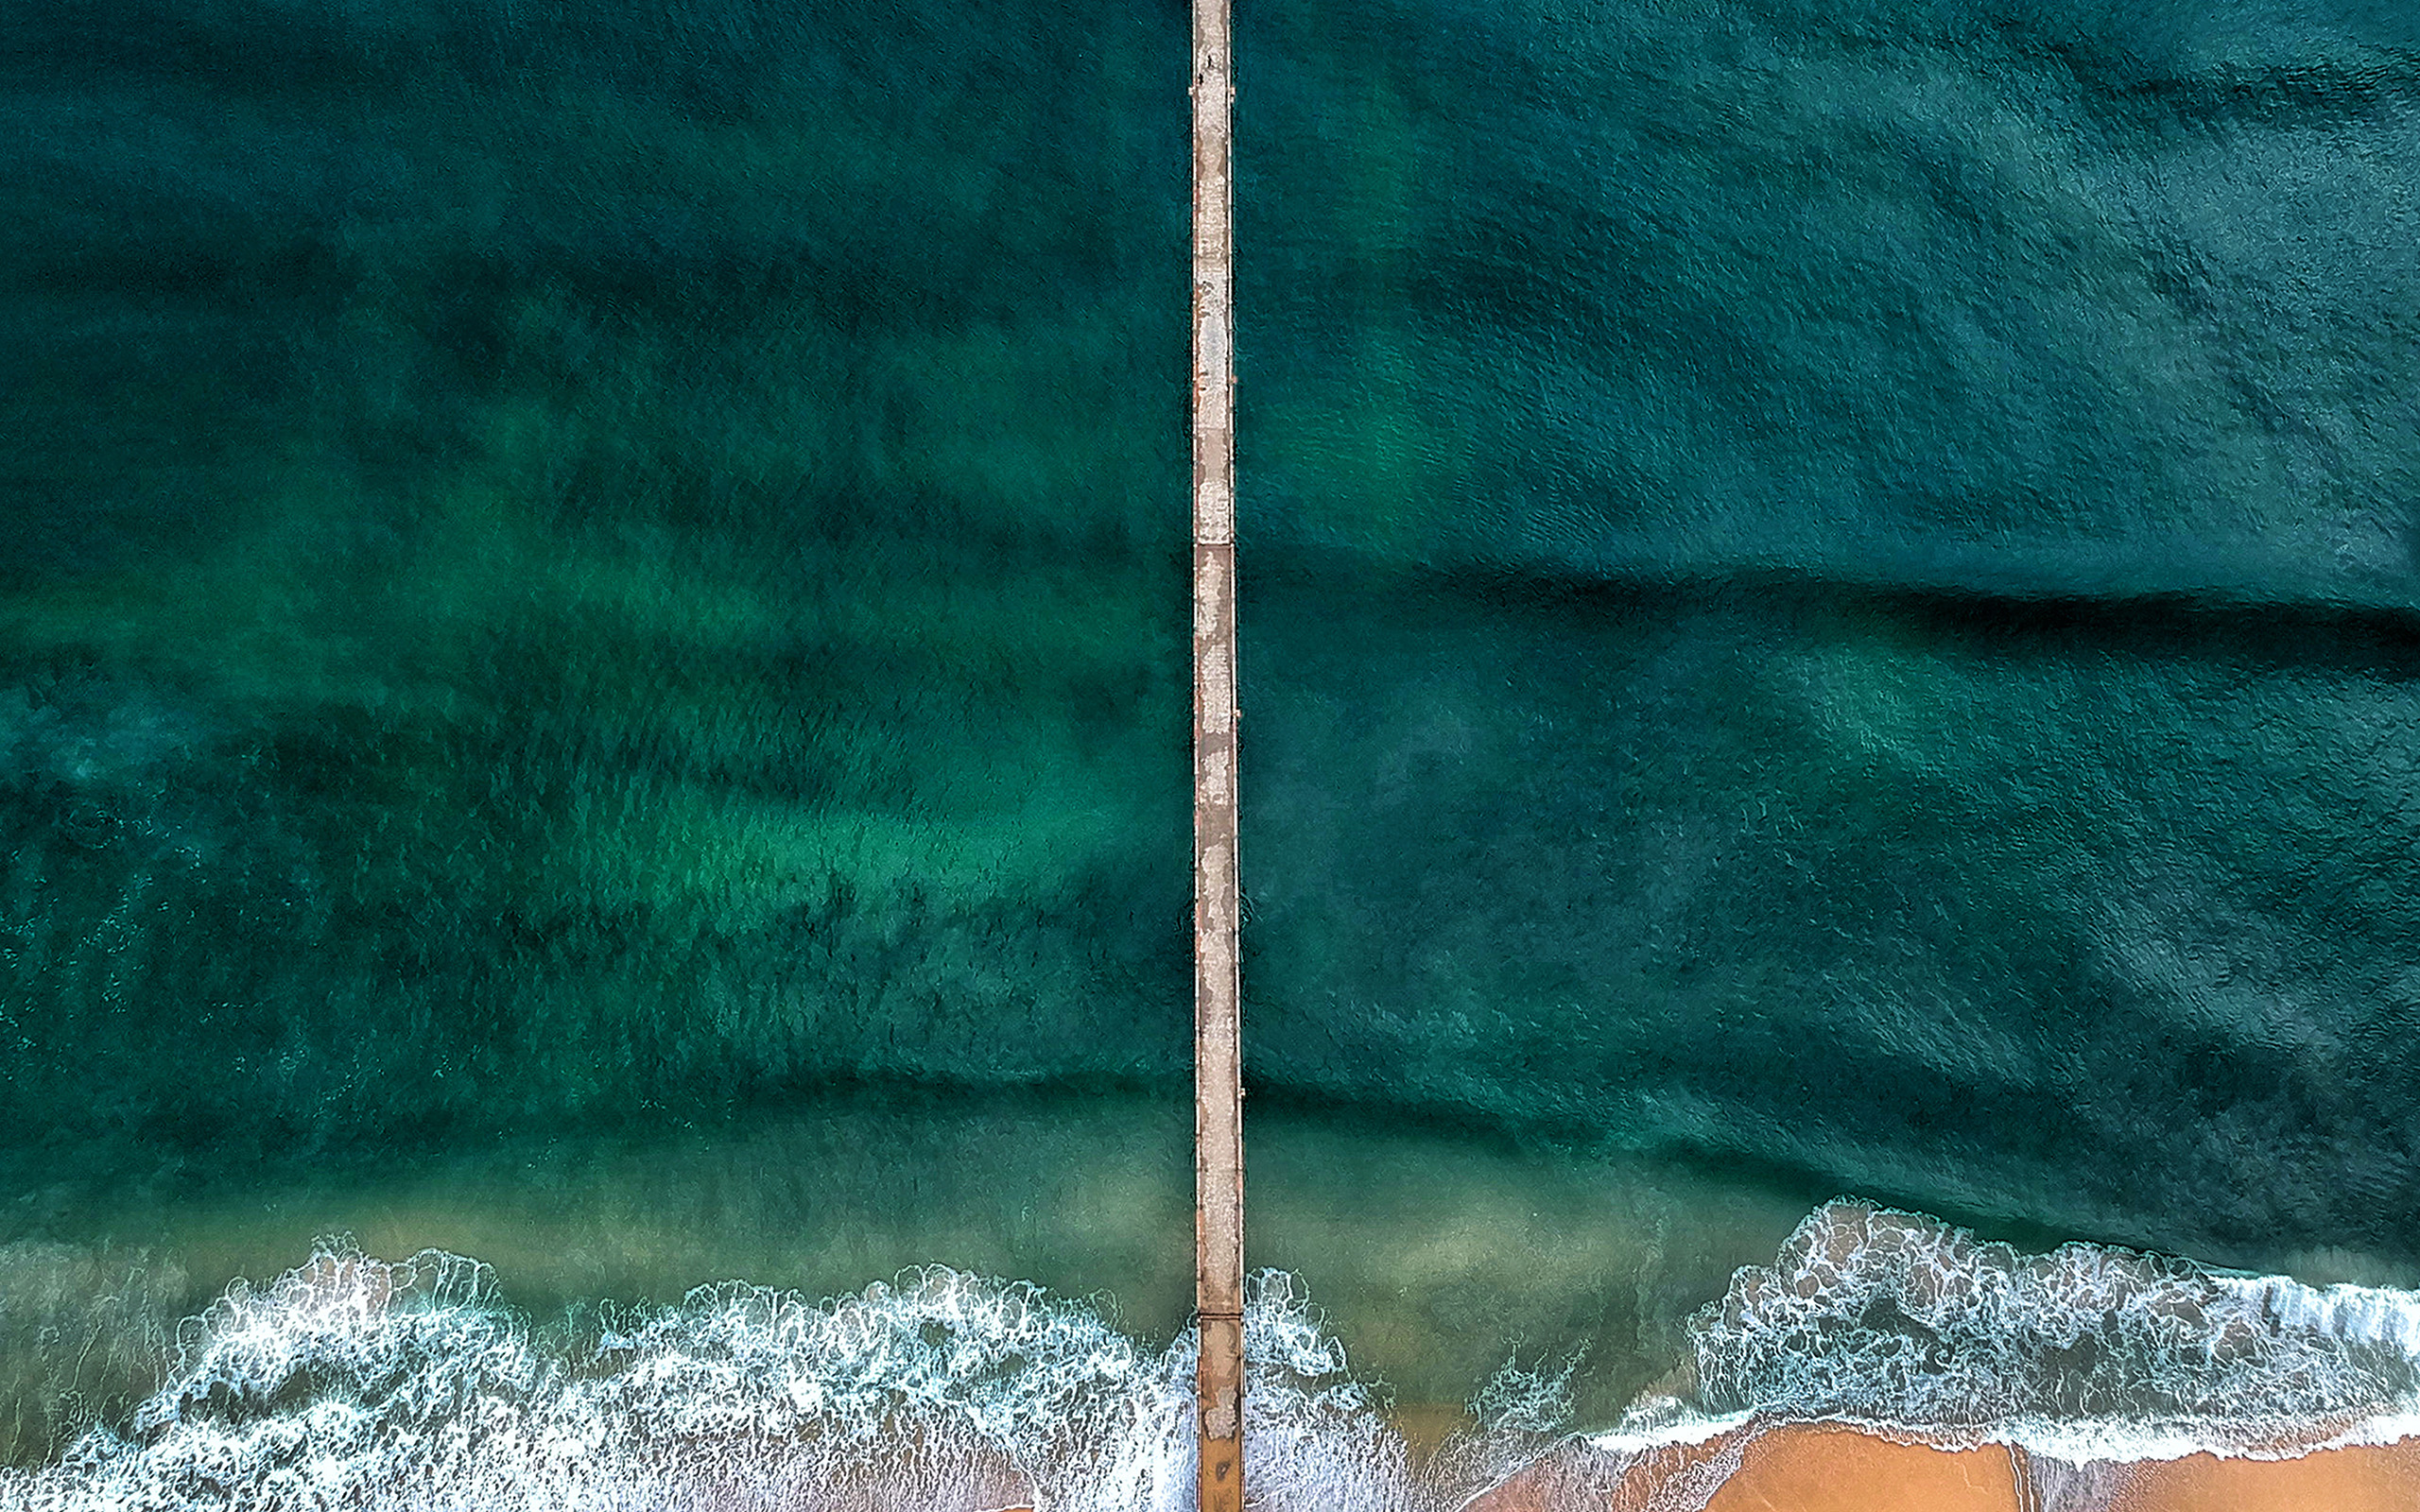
(1825, 1468)
(1836, 1470)
(2341, 1480)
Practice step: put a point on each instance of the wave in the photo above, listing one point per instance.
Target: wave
(1911, 1326)
(357, 1382)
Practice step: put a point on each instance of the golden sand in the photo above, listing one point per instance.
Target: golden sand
(1823, 1468)
(2336, 1480)
(1837, 1470)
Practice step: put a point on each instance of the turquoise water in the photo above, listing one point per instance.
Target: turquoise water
(591, 680)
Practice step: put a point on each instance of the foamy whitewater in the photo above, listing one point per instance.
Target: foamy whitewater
(354, 1382)
(357, 1382)
(1909, 1326)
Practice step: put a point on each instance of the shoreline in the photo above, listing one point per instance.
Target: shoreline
(1781, 1465)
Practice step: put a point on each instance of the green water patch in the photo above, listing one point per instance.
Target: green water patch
(2010, 296)
(1929, 898)
(565, 585)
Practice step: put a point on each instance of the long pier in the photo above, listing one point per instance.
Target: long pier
(1217, 1054)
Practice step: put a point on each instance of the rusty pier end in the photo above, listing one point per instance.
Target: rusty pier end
(1217, 1051)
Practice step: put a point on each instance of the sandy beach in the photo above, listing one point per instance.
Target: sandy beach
(1826, 1468)
(1830, 1470)
(2343, 1480)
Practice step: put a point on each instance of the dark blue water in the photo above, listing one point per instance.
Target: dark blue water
(591, 676)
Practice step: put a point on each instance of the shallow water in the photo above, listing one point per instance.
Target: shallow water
(591, 680)
(356, 1380)
(1438, 1260)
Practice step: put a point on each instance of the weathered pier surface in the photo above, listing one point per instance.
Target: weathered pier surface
(1219, 1155)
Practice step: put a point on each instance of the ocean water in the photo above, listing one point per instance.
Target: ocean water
(593, 773)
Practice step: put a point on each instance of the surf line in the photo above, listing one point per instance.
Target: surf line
(1217, 1051)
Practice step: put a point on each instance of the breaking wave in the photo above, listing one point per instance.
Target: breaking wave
(1903, 1322)
(362, 1384)
(357, 1382)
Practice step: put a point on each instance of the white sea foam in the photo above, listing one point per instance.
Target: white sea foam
(359, 1383)
(1907, 1324)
